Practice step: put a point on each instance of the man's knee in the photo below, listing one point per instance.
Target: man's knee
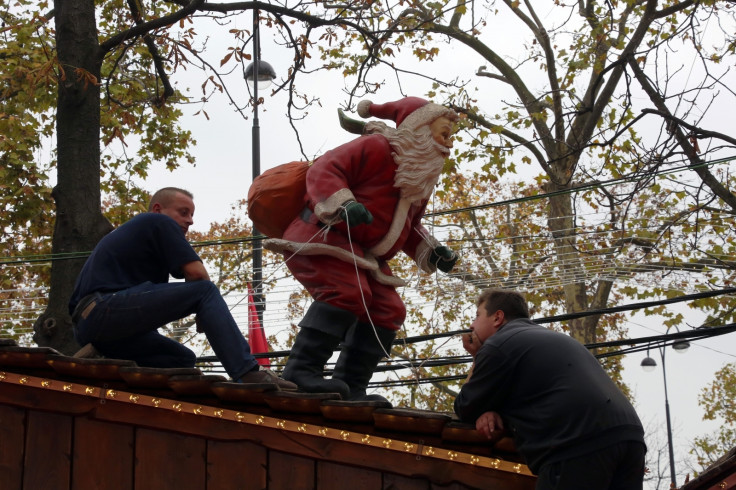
(205, 286)
(206, 289)
(184, 359)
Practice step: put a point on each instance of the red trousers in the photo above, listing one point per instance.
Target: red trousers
(351, 288)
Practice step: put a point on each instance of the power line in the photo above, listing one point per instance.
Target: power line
(228, 241)
(698, 333)
(634, 345)
(582, 187)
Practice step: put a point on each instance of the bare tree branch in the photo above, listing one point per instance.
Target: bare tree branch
(696, 162)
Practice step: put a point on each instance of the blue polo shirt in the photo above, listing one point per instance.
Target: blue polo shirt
(148, 248)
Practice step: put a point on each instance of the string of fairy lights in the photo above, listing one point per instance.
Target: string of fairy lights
(20, 306)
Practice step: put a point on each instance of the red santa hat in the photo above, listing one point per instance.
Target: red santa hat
(408, 113)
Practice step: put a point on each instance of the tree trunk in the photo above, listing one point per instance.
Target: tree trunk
(562, 225)
(79, 221)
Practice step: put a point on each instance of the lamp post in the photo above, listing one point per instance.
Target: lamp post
(648, 364)
(258, 74)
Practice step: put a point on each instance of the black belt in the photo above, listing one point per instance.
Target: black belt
(85, 307)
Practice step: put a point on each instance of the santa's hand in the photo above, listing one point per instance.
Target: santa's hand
(443, 258)
(355, 214)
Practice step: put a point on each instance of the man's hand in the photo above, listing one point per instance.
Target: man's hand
(471, 343)
(355, 214)
(489, 424)
(443, 258)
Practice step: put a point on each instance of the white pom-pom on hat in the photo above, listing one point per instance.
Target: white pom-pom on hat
(364, 107)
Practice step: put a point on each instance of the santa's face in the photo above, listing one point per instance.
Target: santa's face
(442, 131)
(419, 155)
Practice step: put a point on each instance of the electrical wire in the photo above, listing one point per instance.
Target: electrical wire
(582, 187)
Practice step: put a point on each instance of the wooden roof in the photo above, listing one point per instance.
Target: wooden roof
(721, 475)
(431, 446)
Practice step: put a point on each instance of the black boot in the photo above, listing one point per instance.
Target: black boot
(359, 357)
(322, 329)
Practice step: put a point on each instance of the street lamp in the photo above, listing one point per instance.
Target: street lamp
(258, 75)
(648, 364)
(266, 74)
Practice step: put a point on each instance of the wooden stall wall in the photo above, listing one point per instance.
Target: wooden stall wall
(46, 450)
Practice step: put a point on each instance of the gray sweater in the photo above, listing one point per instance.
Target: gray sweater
(551, 392)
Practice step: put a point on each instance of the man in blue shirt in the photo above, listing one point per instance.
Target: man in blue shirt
(574, 427)
(122, 295)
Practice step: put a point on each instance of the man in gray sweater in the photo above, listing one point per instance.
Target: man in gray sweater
(571, 423)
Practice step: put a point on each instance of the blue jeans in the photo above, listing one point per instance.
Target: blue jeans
(124, 325)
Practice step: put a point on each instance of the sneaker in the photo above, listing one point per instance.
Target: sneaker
(268, 377)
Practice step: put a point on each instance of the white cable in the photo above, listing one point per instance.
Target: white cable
(362, 296)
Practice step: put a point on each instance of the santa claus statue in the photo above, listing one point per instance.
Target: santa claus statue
(364, 203)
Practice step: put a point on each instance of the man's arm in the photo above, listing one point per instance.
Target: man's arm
(488, 423)
(471, 343)
(488, 387)
(195, 271)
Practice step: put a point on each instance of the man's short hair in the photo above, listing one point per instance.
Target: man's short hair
(165, 195)
(512, 304)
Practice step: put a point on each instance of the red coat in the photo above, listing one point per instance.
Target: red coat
(362, 170)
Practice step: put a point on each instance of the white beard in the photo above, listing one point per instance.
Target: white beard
(419, 158)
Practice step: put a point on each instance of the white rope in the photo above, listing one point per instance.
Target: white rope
(365, 305)
(282, 264)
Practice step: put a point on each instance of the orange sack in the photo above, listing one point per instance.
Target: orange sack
(276, 197)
